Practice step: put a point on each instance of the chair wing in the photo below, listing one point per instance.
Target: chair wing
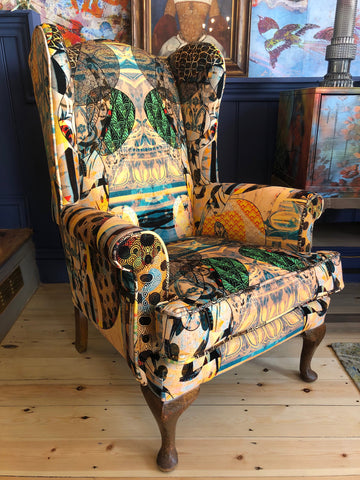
(200, 77)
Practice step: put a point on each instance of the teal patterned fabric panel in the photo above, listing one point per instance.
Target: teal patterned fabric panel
(129, 119)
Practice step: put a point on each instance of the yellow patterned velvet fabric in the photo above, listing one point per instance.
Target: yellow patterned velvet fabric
(186, 276)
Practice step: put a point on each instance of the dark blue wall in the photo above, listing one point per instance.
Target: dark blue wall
(247, 135)
(247, 127)
(24, 179)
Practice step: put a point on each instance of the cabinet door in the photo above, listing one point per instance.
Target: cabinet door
(337, 157)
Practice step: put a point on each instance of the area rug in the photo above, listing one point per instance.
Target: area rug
(349, 356)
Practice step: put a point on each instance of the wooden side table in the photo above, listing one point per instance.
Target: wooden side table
(19, 276)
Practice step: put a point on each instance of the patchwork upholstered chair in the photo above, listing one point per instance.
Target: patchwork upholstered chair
(187, 277)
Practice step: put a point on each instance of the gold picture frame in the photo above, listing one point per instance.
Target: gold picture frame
(237, 59)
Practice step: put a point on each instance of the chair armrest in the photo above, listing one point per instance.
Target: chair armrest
(140, 254)
(125, 246)
(272, 216)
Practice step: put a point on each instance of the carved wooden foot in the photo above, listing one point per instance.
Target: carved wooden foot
(81, 331)
(166, 415)
(311, 340)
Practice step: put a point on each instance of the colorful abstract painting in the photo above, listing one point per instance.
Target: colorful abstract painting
(289, 38)
(80, 20)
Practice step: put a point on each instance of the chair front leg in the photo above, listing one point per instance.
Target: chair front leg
(311, 340)
(166, 414)
(81, 331)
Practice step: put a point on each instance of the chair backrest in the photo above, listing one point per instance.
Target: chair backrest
(114, 132)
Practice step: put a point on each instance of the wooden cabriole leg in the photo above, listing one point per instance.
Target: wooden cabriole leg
(166, 414)
(81, 331)
(311, 340)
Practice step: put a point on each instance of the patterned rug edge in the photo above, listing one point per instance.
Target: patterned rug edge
(348, 354)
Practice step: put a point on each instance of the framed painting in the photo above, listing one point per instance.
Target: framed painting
(80, 20)
(162, 26)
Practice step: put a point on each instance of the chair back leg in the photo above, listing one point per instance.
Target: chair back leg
(81, 331)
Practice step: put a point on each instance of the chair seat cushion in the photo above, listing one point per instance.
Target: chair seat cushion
(219, 289)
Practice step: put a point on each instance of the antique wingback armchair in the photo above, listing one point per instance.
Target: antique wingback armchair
(186, 276)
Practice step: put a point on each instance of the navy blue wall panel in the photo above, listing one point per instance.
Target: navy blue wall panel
(24, 179)
(247, 126)
(228, 142)
(11, 179)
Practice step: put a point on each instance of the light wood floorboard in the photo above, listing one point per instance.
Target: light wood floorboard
(66, 415)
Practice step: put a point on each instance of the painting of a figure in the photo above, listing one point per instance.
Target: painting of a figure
(175, 23)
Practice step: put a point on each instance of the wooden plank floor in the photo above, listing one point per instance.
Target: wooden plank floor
(63, 414)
